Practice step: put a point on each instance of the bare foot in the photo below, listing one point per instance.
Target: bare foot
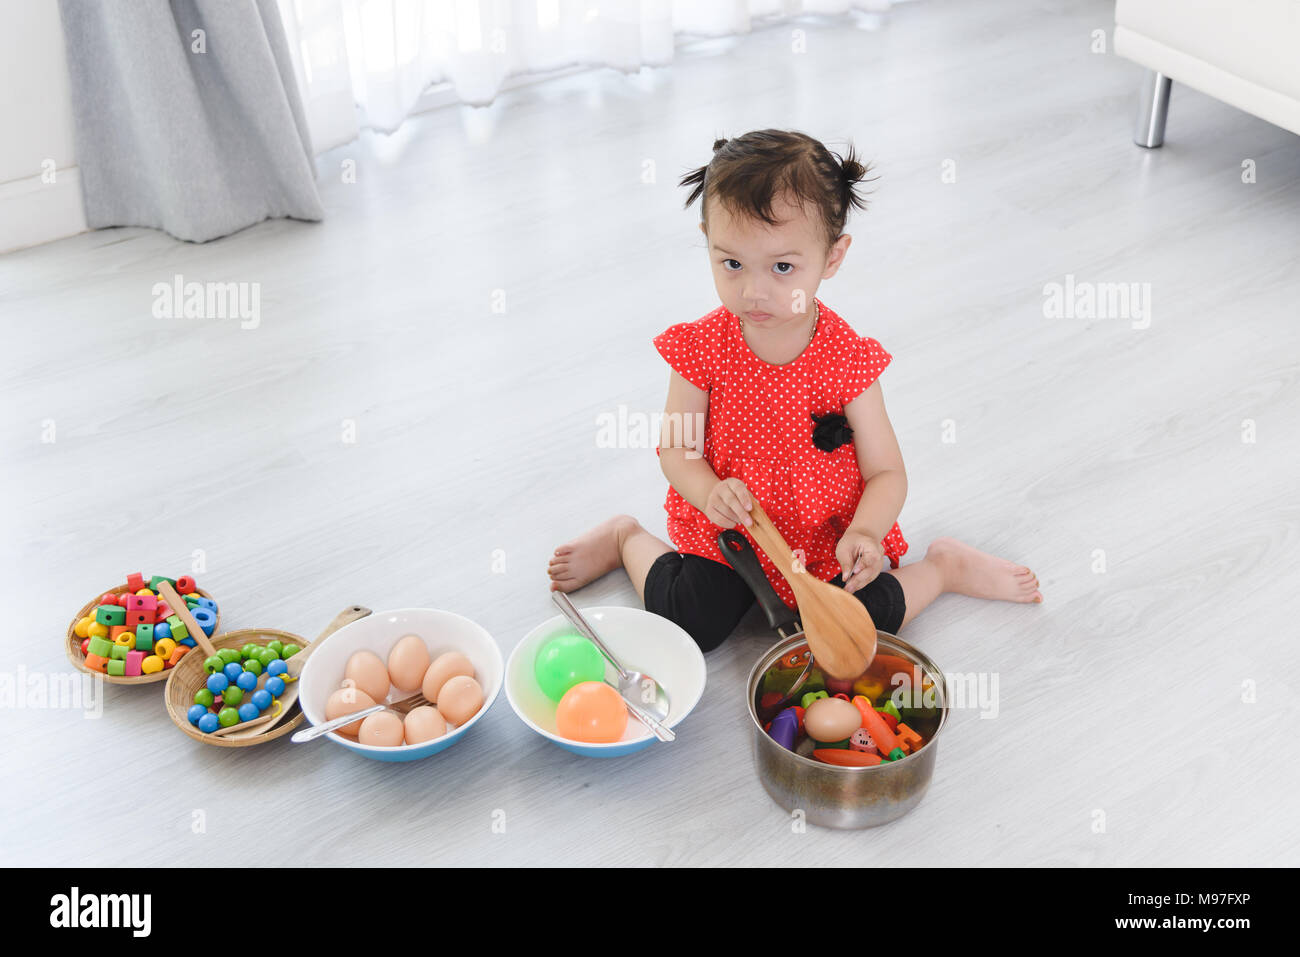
(593, 553)
(969, 571)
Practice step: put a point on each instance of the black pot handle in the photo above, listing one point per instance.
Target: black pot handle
(740, 556)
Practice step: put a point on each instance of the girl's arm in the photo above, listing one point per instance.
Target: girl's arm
(881, 463)
(681, 457)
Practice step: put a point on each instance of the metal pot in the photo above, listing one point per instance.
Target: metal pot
(830, 795)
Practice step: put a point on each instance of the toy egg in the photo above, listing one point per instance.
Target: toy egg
(831, 719)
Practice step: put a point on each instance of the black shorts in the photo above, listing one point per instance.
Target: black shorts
(708, 599)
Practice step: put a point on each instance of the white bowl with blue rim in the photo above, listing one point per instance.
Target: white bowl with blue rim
(642, 641)
(441, 631)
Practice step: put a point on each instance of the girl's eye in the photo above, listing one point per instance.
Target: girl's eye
(789, 268)
(726, 265)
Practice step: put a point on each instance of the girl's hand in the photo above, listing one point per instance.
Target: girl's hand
(861, 558)
(728, 504)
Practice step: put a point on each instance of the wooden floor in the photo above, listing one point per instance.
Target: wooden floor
(1146, 713)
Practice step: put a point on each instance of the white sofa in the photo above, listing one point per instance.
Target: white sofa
(1243, 52)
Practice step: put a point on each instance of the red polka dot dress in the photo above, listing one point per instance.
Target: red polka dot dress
(759, 429)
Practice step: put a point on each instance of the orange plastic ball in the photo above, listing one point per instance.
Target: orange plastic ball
(591, 712)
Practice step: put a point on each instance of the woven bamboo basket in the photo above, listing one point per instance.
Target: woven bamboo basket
(78, 660)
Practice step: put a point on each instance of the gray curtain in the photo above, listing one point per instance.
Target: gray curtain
(199, 144)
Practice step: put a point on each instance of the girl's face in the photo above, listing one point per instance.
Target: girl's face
(768, 275)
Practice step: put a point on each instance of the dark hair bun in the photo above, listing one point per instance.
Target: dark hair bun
(719, 144)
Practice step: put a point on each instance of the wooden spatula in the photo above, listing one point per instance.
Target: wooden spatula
(839, 629)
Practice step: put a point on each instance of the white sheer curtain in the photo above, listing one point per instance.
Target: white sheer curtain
(365, 63)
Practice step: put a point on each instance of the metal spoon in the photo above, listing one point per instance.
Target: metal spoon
(635, 687)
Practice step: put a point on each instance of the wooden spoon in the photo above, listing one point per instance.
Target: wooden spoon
(838, 627)
(263, 724)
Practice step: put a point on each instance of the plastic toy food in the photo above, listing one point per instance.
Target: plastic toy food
(591, 712)
(566, 661)
(137, 620)
(831, 719)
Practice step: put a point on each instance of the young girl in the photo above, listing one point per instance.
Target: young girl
(794, 417)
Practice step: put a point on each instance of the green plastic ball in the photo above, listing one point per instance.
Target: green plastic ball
(227, 716)
(289, 651)
(204, 697)
(266, 657)
(228, 655)
(253, 665)
(277, 645)
(233, 695)
(566, 661)
(213, 665)
(249, 650)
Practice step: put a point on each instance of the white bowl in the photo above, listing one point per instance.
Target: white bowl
(642, 641)
(379, 632)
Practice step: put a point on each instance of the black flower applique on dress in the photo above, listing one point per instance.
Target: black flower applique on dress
(831, 431)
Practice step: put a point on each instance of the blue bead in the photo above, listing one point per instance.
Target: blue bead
(218, 683)
(233, 671)
(246, 680)
(196, 712)
(275, 686)
(162, 630)
(261, 698)
(188, 642)
(206, 603)
(208, 723)
(247, 711)
(277, 667)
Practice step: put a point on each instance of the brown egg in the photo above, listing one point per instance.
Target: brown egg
(831, 719)
(445, 667)
(383, 729)
(424, 724)
(367, 669)
(345, 701)
(460, 699)
(407, 662)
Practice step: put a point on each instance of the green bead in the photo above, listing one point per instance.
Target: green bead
(233, 695)
(277, 646)
(153, 582)
(227, 716)
(144, 637)
(213, 665)
(253, 665)
(249, 650)
(227, 655)
(266, 657)
(810, 697)
(116, 668)
(118, 652)
(204, 697)
(897, 754)
(100, 646)
(890, 708)
(289, 651)
(110, 615)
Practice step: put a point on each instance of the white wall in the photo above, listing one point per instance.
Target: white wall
(40, 190)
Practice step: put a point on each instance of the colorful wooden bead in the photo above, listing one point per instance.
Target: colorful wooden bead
(136, 618)
(890, 708)
(810, 697)
(162, 612)
(204, 697)
(110, 615)
(85, 646)
(228, 655)
(233, 695)
(96, 630)
(124, 638)
(860, 740)
(153, 582)
(290, 650)
(255, 666)
(908, 739)
(247, 680)
(869, 688)
(115, 668)
(278, 667)
(180, 652)
(232, 671)
(218, 683)
(133, 660)
(122, 599)
(134, 582)
(179, 630)
(227, 717)
(82, 629)
(207, 603)
(118, 653)
(209, 723)
(184, 584)
(196, 712)
(101, 647)
(144, 637)
(275, 686)
(205, 618)
(247, 711)
(161, 630)
(96, 662)
(145, 591)
(152, 665)
(163, 648)
(261, 698)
